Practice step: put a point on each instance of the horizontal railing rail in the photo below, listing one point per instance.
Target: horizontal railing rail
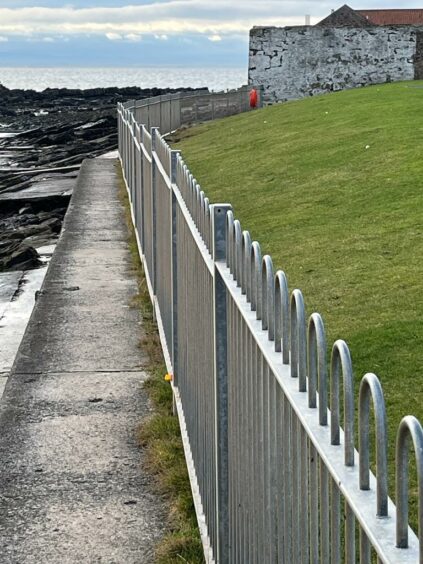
(268, 421)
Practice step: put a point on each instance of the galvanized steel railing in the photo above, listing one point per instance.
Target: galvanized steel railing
(170, 111)
(275, 476)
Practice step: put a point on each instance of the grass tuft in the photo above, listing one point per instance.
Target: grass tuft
(179, 549)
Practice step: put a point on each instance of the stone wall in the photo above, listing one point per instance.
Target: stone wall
(293, 62)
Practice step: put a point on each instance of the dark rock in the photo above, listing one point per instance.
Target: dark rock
(74, 125)
(7, 112)
(54, 224)
(17, 256)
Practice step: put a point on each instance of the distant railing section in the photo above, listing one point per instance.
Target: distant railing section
(170, 111)
(275, 477)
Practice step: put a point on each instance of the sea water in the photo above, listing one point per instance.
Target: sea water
(144, 77)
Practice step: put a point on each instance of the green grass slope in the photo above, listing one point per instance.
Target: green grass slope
(331, 187)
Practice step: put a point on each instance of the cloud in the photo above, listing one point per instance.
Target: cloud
(114, 36)
(3, 39)
(214, 38)
(169, 17)
(133, 37)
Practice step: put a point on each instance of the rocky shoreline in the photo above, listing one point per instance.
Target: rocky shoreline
(44, 137)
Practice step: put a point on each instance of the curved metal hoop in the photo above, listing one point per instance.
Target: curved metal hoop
(341, 363)
(317, 369)
(196, 209)
(255, 274)
(268, 296)
(409, 427)
(282, 315)
(370, 388)
(207, 223)
(298, 340)
(200, 212)
(229, 237)
(188, 182)
(191, 190)
(237, 252)
(246, 258)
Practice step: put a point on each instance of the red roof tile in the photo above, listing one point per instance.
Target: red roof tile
(393, 17)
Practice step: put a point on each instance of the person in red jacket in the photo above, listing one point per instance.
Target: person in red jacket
(253, 98)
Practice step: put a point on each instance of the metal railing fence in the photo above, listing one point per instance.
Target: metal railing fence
(170, 111)
(273, 469)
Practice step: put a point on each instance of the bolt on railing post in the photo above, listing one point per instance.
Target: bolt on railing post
(174, 262)
(218, 217)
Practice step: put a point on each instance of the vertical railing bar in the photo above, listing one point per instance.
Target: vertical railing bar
(350, 557)
(335, 520)
(218, 214)
(280, 464)
(288, 481)
(295, 499)
(365, 548)
(304, 506)
(324, 514)
(314, 505)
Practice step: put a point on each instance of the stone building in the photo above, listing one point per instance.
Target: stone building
(347, 49)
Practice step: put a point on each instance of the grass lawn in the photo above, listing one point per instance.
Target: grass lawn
(332, 188)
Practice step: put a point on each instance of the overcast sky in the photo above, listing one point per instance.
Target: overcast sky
(147, 32)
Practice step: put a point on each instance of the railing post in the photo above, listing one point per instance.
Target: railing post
(218, 217)
(261, 96)
(154, 131)
(119, 132)
(196, 109)
(174, 268)
(180, 111)
(134, 170)
(142, 197)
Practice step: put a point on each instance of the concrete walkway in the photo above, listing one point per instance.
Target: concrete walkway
(72, 489)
